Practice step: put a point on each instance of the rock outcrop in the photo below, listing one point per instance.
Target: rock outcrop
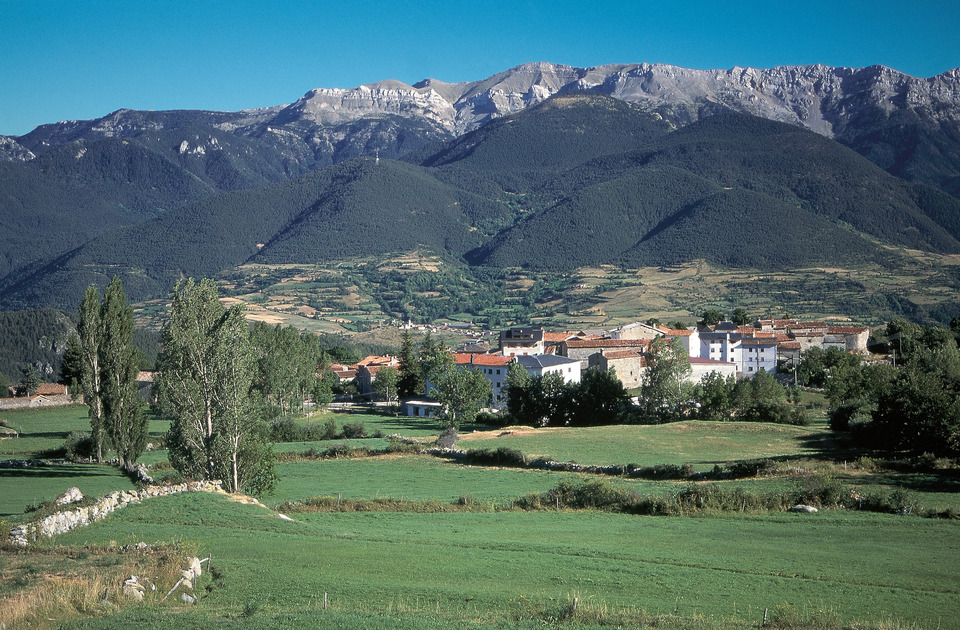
(873, 109)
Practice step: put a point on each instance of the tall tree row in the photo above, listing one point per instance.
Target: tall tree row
(102, 364)
(205, 385)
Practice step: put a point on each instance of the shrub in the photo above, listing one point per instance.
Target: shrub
(599, 494)
(485, 417)
(78, 445)
(661, 471)
(502, 456)
(285, 430)
(849, 413)
(752, 468)
(353, 430)
(822, 491)
(448, 439)
(329, 430)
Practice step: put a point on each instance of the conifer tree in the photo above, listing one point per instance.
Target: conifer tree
(411, 375)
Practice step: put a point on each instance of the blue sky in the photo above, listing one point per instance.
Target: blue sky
(79, 59)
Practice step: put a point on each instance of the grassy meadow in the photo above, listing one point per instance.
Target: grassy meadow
(432, 543)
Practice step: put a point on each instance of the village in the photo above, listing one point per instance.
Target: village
(726, 348)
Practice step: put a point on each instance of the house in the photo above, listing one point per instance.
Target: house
(638, 330)
(145, 385)
(855, 338)
(629, 365)
(344, 373)
(367, 370)
(522, 341)
(582, 349)
(758, 353)
(721, 344)
(690, 339)
(543, 364)
(552, 341)
(700, 367)
(421, 408)
(52, 389)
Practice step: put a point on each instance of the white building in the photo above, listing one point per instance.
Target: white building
(542, 364)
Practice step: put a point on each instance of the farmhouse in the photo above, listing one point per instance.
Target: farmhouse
(700, 367)
(368, 368)
(583, 349)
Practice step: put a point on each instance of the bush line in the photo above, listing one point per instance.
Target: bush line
(820, 491)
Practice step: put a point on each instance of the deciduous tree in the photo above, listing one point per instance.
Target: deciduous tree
(663, 389)
(462, 391)
(204, 384)
(123, 418)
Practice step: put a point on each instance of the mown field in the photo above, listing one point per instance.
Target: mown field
(433, 543)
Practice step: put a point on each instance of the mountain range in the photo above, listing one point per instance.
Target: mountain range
(542, 166)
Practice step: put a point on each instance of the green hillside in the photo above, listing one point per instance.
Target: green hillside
(733, 190)
(374, 207)
(66, 197)
(36, 338)
(580, 180)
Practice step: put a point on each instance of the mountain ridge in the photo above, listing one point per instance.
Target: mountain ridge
(859, 107)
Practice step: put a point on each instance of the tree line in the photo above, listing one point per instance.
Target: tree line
(219, 380)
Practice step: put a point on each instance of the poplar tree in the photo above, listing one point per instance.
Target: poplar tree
(123, 418)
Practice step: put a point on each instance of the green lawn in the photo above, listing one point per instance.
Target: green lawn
(41, 429)
(22, 487)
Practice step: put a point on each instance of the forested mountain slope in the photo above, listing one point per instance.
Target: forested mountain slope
(577, 180)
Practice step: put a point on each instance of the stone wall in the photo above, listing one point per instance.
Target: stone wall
(30, 402)
(61, 522)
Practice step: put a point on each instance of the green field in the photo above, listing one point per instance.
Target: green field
(480, 563)
(701, 444)
(499, 565)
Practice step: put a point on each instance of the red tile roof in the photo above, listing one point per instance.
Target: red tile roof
(488, 360)
(51, 389)
(376, 360)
